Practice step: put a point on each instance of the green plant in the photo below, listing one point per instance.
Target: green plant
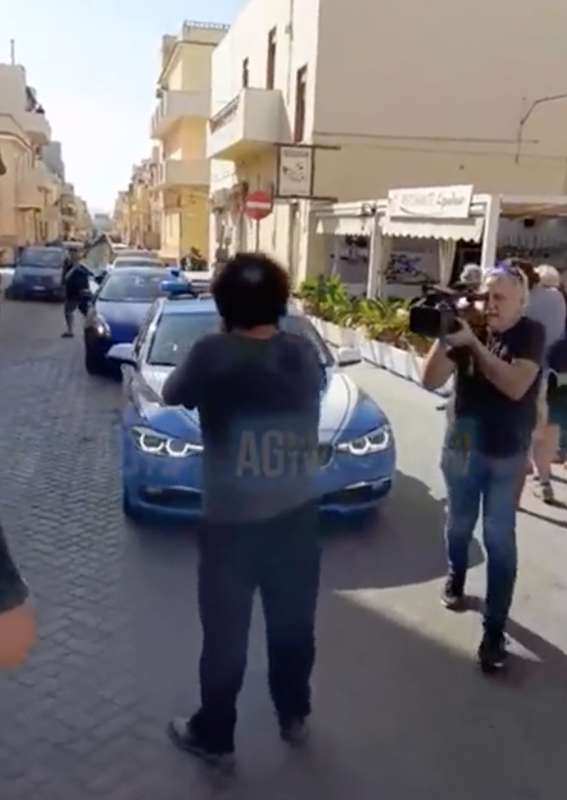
(385, 320)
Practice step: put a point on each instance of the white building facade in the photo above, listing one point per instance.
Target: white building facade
(413, 94)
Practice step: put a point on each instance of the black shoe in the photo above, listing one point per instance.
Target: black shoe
(295, 732)
(183, 737)
(453, 596)
(492, 653)
(67, 335)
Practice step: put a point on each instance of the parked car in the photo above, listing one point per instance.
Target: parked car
(117, 310)
(39, 273)
(162, 446)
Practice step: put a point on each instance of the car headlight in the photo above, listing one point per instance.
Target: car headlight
(101, 326)
(373, 442)
(158, 444)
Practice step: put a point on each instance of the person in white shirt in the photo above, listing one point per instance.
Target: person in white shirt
(547, 306)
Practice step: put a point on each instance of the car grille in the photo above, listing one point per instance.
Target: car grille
(356, 495)
(181, 499)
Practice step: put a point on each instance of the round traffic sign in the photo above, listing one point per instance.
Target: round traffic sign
(258, 205)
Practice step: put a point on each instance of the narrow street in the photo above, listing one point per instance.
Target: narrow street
(401, 709)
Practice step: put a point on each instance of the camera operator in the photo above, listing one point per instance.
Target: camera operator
(17, 621)
(490, 423)
(257, 390)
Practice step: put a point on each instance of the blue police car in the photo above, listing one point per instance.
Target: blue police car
(118, 310)
(162, 446)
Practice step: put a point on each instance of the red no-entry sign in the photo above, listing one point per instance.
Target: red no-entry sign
(258, 205)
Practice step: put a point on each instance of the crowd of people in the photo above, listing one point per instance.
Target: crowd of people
(253, 382)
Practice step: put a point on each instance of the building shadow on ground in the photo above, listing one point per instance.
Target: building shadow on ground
(402, 544)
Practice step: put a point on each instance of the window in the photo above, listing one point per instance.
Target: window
(272, 50)
(300, 104)
(246, 73)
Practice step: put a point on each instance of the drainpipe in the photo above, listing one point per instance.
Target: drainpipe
(290, 32)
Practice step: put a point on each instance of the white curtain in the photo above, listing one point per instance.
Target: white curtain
(447, 252)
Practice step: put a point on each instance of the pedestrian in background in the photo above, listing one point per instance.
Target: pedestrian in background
(546, 305)
(17, 621)
(76, 288)
(490, 424)
(257, 390)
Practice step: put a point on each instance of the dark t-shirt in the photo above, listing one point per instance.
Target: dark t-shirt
(258, 402)
(75, 280)
(482, 416)
(13, 591)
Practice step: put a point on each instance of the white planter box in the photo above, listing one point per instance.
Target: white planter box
(405, 363)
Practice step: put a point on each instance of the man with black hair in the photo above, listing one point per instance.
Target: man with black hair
(257, 390)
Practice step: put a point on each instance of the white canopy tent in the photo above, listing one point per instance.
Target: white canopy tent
(445, 214)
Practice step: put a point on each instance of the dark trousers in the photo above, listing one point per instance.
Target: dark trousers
(281, 558)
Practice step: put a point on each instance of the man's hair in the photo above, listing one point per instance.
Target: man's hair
(471, 274)
(549, 276)
(250, 290)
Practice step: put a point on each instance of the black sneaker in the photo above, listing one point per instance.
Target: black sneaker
(67, 335)
(453, 596)
(492, 653)
(295, 732)
(183, 737)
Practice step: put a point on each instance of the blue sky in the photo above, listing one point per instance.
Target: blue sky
(95, 65)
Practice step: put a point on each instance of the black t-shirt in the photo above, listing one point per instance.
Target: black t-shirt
(481, 414)
(13, 591)
(75, 280)
(258, 402)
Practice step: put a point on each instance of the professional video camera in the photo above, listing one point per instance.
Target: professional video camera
(439, 311)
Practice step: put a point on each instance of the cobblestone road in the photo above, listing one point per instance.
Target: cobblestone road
(401, 712)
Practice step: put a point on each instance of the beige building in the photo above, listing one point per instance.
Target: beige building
(429, 94)
(137, 211)
(121, 218)
(32, 186)
(179, 124)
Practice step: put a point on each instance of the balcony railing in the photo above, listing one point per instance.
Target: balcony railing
(174, 106)
(254, 120)
(194, 172)
(36, 126)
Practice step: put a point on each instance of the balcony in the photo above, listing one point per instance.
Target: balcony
(253, 121)
(36, 126)
(175, 106)
(194, 172)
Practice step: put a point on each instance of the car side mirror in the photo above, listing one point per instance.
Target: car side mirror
(348, 356)
(123, 354)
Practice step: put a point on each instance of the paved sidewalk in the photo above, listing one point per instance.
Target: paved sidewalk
(401, 710)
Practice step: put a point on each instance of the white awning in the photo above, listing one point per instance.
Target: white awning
(345, 226)
(469, 230)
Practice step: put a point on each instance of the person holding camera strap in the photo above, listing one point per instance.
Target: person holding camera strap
(491, 418)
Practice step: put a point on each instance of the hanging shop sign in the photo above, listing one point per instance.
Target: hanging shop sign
(295, 172)
(433, 202)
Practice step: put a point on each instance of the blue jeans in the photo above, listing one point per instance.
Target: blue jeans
(497, 482)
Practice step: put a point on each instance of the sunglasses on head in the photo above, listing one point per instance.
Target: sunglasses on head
(506, 270)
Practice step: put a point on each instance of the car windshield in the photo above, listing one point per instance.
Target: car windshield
(133, 287)
(42, 257)
(177, 333)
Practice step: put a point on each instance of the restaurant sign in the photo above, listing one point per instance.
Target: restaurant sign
(434, 202)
